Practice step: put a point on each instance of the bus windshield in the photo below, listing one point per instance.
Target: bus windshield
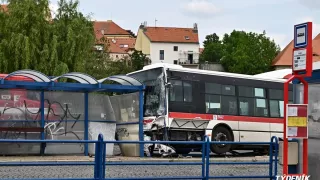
(153, 79)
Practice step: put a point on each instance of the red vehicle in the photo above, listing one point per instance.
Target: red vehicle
(20, 109)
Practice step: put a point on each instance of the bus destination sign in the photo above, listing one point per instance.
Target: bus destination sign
(302, 50)
(297, 121)
(299, 60)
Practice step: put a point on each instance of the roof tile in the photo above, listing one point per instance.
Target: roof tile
(121, 45)
(109, 28)
(284, 58)
(171, 34)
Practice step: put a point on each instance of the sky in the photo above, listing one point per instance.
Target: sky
(276, 17)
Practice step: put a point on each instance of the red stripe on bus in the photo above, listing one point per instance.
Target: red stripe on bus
(224, 117)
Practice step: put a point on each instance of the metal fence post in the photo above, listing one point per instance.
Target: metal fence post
(207, 158)
(103, 160)
(271, 158)
(42, 123)
(141, 133)
(98, 158)
(276, 147)
(86, 123)
(204, 151)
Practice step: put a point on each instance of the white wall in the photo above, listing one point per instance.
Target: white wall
(169, 54)
(117, 56)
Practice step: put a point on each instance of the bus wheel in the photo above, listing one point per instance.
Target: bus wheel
(221, 133)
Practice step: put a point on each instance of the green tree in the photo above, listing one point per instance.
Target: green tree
(248, 53)
(212, 49)
(25, 36)
(138, 60)
(75, 36)
(241, 52)
(29, 39)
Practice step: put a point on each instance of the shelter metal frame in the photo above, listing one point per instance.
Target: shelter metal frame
(86, 84)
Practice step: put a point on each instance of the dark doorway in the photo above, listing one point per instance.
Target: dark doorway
(190, 58)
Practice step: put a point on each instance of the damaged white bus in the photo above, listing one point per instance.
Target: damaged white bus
(183, 104)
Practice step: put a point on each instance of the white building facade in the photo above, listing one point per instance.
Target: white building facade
(174, 53)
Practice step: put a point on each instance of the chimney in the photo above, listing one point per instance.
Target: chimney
(195, 28)
(102, 31)
(143, 26)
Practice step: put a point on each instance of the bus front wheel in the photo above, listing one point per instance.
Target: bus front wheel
(221, 133)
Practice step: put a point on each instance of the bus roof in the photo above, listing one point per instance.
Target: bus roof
(279, 74)
(179, 68)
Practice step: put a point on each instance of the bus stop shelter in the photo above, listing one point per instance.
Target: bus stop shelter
(46, 108)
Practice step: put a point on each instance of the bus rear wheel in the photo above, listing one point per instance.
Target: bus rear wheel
(221, 133)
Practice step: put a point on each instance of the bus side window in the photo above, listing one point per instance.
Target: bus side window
(213, 105)
(181, 91)
(220, 99)
(246, 101)
(212, 98)
(187, 92)
(228, 100)
(176, 91)
(261, 108)
(276, 102)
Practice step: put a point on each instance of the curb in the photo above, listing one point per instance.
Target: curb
(130, 159)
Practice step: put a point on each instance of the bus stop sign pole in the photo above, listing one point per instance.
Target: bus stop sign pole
(296, 115)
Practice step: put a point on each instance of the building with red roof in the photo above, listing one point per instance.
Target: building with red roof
(173, 45)
(120, 42)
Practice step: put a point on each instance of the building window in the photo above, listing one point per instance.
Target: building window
(180, 91)
(220, 99)
(161, 54)
(175, 48)
(187, 37)
(175, 61)
(117, 56)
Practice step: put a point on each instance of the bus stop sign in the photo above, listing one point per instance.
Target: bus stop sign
(302, 51)
(297, 121)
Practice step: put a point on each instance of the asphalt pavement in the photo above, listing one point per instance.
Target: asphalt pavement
(137, 171)
(130, 171)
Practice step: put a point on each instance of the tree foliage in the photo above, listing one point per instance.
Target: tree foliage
(102, 65)
(31, 40)
(212, 49)
(241, 52)
(138, 60)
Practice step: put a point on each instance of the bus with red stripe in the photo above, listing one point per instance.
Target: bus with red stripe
(184, 104)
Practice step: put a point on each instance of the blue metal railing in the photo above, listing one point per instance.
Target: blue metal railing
(100, 158)
(273, 158)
